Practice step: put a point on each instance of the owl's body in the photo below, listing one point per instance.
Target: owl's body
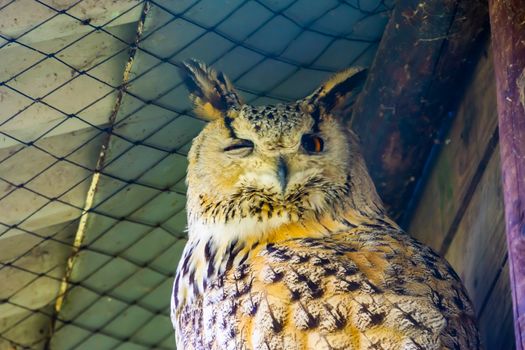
(289, 245)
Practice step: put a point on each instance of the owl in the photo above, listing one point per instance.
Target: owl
(289, 245)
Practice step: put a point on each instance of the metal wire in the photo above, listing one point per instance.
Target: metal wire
(112, 143)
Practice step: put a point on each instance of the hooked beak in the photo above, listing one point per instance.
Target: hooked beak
(282, 173)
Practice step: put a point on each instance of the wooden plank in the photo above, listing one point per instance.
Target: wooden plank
(19, 203)
(495, 321)
(25, 120)
(445, 190)
(26, 328)
(481, 233)
(412, 85)
(508, 42)
(20, 280)
(21, 16)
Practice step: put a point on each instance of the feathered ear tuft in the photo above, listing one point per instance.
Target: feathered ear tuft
(211, 92)
(340, 89)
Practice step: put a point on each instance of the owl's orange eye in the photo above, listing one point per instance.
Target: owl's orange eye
(312, 143)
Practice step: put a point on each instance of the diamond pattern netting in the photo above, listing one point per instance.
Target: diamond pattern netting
(94, 132)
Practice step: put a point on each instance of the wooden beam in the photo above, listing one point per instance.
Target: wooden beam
(457, 170)
(507, 18)
(32, 22)
(412, 86)
(61, 89)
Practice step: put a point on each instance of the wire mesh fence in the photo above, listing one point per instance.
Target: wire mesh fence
(95, 126)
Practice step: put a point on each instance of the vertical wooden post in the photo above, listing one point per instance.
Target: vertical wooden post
(507, 18)
(415, 80)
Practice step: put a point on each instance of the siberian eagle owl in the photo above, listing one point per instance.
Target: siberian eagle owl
(289, 245)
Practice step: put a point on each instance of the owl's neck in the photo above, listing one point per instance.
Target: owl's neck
(215, 248)
(288, 224)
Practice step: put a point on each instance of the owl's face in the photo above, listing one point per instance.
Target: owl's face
(272, 164)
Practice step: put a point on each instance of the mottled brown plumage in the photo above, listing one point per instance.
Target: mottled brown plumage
(289, 245)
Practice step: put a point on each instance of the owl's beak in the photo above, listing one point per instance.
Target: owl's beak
(282, 173)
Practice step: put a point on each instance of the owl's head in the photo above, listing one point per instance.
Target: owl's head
(265, 166)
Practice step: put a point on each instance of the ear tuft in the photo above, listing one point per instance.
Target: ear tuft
(342, 88)
(211, 92)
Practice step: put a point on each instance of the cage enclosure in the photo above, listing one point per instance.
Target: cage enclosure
(95, 126)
